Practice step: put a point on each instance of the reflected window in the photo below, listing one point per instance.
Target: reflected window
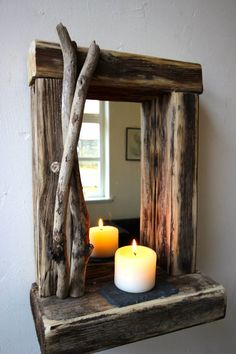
(92, 149)
(92, 107)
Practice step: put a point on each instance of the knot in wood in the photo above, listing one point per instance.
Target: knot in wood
(55, 167)
(82, 80)
(58, 238)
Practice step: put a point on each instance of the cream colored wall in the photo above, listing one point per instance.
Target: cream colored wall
(124, 175)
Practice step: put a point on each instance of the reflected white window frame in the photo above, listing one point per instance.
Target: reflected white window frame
(102, 118)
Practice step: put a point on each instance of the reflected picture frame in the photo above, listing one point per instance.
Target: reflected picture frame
(133, 144)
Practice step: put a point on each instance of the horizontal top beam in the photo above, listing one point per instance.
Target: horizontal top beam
(119, 76)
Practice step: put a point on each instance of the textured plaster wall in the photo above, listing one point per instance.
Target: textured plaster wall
(203, 31)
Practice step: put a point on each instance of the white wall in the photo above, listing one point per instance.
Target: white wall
(202, 31)
(124, 175)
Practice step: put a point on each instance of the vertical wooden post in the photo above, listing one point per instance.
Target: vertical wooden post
(169, 179)
(47, 148)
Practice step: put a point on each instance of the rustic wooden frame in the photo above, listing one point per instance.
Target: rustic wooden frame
(169, 93)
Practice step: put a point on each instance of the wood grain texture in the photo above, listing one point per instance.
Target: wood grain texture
(47, 148)
(69, 52)
(90, 324)
(169, 137)
(119, 76)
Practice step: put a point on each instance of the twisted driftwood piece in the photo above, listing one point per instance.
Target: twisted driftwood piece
(73, 106)
(81, 249)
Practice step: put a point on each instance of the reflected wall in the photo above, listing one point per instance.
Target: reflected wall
(124, 175)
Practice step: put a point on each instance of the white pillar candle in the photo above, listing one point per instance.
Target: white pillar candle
(104, 240)
(135, 268)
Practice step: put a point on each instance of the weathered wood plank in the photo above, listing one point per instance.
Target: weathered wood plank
(119, 76)
(169, 180)
(47, 148)
(37, 316)
(184, 184)
(74, 325)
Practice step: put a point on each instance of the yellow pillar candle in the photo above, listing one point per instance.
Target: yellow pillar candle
(104, 240)
(135, 268)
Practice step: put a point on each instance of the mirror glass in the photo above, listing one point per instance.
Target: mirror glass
(110, 175)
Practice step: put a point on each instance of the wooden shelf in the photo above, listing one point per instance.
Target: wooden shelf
(91, 324)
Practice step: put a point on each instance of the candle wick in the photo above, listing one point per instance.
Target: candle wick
(135, 253)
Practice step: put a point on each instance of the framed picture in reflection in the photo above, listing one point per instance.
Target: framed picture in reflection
(133, 144)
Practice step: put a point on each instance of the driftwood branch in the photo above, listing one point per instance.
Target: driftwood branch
(70, 62)
(80, 248)
(69, 52)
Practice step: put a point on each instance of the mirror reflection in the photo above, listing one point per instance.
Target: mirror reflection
(109, 163)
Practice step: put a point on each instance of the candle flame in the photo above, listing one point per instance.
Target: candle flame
(100, 223)
(134, 246)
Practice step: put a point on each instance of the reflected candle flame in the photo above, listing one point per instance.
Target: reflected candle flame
(100, 223)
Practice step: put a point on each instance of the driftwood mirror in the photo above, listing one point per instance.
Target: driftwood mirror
(169, 93)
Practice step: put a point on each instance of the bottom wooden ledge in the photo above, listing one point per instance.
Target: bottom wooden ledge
(91, 324)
